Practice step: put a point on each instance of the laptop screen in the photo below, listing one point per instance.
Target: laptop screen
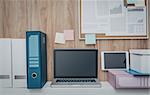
(75, 63)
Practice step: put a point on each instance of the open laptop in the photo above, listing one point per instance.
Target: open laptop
(75, 68)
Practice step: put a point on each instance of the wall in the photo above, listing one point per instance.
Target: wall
(51, 16)
(149, 24)
(1, 19)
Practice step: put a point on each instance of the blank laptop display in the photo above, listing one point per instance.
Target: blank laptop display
(114, 60)
(75, 65)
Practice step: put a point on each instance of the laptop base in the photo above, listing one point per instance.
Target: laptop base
(75, 83)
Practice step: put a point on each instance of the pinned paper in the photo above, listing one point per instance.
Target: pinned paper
(137, 3)
(59, 38)
(69, 34)
(140, 3)
(90, 39)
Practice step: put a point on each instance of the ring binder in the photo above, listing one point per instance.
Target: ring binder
(36, 59)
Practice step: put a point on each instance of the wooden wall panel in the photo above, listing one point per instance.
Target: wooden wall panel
(51, 16)
(149, 22)
(15, 19)
(1, 18)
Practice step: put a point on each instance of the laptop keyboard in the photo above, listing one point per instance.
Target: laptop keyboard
(75, 81)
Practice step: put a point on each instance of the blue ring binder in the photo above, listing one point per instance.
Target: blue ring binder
(36, 59)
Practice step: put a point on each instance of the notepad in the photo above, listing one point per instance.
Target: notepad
(59, 38)
(90, 39)
(68, 34)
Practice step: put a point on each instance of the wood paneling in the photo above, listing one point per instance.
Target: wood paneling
(1, 19)
(15, 17)
(51, 16)
(149, 22)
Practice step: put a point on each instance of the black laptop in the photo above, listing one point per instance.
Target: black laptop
(75, 68)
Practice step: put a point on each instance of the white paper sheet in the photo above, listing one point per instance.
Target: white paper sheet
(95, 20)
(140, 3)
(136, 21)
(59, 38)
(97, 15)
(118, 26)
(116, 7)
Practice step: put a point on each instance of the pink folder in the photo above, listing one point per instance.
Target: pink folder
(122, 79)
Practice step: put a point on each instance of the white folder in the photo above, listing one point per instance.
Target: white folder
(5, 63)
(19, 62)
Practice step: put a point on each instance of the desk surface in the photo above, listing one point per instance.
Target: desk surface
(106, 89)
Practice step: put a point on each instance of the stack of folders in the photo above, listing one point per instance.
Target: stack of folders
(12, 63)
(123, 79)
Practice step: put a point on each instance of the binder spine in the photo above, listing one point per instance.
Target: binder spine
(36, 59)
(33, 60)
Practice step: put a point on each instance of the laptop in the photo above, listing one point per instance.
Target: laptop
(75, 68)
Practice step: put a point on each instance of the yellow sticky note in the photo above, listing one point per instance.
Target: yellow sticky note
(59, 38)
(90, 39)
(69, 34)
